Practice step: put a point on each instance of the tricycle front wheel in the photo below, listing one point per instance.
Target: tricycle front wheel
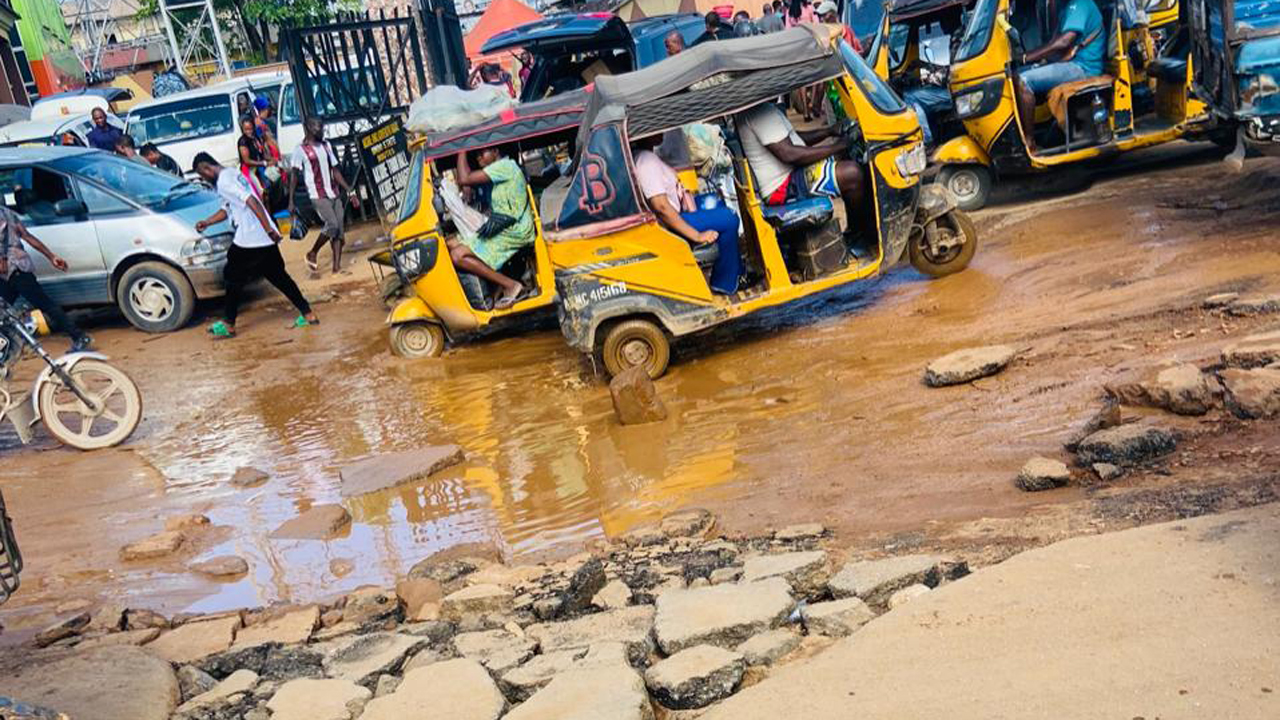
(114, 414)
(417, 340)
(954, 249)
(636, 342)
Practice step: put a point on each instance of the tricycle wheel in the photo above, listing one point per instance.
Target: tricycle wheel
(636, 342)
(958, 241)
(417, 340)
(969, 183)
(116, 410)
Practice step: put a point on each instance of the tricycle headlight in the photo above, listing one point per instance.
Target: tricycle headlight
(913, 161)
(968, 103)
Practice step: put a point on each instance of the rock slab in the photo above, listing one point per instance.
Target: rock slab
(1181, 389)
(458, 689)
(805, 571)
(361, 659)
(221, 566)
(635, 398)
(966, 365)
(1252, 394)
(319, 522)
(720, 615)
(476, 600)
(498, 650)
(111, 683)
(1126, 445)
(195, 640)
(316, 699)
(160, 545)
(767, 647)
(838, 618)
(1253, 351)
(695, 677)
(632, 627)
(875, 580)
(384, 471)
(603, 693)
(291, 628)
(1041, 473)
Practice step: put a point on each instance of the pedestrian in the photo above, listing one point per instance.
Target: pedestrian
(253, 158)
(159, 160)
(742, 25)
(799, 12)
(674, 42)
(125, 149)
(829, 13)
(262, 126)
(17, 276)
(770, 21)
(315, 159)
(254, 251)
(103, 136)
(715, 29)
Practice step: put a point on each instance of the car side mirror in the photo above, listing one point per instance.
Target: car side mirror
(70, 208)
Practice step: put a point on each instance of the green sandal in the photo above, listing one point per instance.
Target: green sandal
(300, 322)
(220, 331)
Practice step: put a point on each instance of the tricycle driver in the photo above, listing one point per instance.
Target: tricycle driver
(1076, 52)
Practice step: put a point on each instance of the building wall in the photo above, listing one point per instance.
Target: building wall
(12, 88)
(47, 45)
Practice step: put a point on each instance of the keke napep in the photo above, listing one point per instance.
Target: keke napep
(628, 285)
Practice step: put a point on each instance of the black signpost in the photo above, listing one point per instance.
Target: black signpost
(385, 154)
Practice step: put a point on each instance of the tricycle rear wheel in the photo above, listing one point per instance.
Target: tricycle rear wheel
(417, 340)
(636, 342)
(955, 259)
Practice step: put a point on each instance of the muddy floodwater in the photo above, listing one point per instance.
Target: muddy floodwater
(815, 413)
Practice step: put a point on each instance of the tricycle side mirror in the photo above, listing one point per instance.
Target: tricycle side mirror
(70, 208)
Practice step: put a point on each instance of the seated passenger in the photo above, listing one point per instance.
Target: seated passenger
(671, 202)
(788, 169)
(1075, 53)
(509, 227)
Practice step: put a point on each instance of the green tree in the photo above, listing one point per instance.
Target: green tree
(257, 16)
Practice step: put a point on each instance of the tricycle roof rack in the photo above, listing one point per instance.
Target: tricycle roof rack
(559, 113)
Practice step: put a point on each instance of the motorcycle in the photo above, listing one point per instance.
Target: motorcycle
(83, 400)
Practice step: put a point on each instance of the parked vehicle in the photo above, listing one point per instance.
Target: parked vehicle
(49, 129)
(1235, 50)
(82, 101)
(82, 400)
(448, 304)
(127, 232)
(571, 50)
(628, 285)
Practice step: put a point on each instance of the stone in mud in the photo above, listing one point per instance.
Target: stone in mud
(837, 618)
(695, 677)
(462, 686)
(112, 683)
(138, 619)
(162, 544)
(240, 681)
(612, 596)
(643, 536)
(221, 566)
(635, 398)
(1107, 471)
(1041, 473)
(630, 626)
(1126, 445)
(476, 600)
(319, 522)
(341, 567)
(417, 593)
(1219, 300)
(507, 576)
(806, 531)
(1252, 394)
(586, 581)
(384, 471)
(907, 594)
(498, 650)
(288, 629)
(387, 684)
(1180, 389)
(600, 693)
(1106, 417)
(966, 365)
(1254, 305)
(807, 572)
(195, 640)
(193, 681)
(271, 661)
(128, 637)
(875, 580)
(721, 615)
(187, 523)
(370, 605)
(767, 647)
(317, 699)
(688, 523)
(64, 628)
(547, 608)
(362, 658)
(247, 477)
(1253, 351)
(519, 683)
(725, 575)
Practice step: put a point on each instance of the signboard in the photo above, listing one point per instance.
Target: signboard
(385, 154)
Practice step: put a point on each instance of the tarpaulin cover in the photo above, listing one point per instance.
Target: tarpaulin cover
(500, 16)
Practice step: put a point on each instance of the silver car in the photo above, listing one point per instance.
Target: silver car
(126, 230)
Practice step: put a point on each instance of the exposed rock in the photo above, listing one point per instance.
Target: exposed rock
(966, 365)
(615, 594)
(195, 640)
(462, 686)
(316, 699)
(193, 681)
(140, 619)
(1126, 445)
(1041, 473)
(185, 523)
(362, 658)
(1107, 417)
(370, 605)
(907, 594)
(427, 656)
(721, 576)
(837, 618)
(807, 572)
(630, 626)
(112, 683)
(507, 576)
(1180, 389)
(247, 477)
(387, 684)
(635, 398)
(416, 593)
(128, 637)
(221, 566)
(1252, 394)
(64, 628)
(1254, 305)
(334, 631)
(767, 647)
(162, 544)
(586, 581)
(599, 693)
(109, 617)
(272, 662)
(476, 600)
(642, 536)
(721, 615)
(437, 632)
(452, 563)
(695, 677)
(1107, 471)
(689, 523)
(521, 682)
(548, 608)
(875, 580)
(806, 531)
(319, 522)
(1253, 351)
(288, 629)
(498, 650)
(240, 681)
(383, 471)
(1219, 300)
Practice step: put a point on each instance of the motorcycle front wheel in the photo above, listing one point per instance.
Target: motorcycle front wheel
(115, 412)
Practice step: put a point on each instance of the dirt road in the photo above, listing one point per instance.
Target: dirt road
(817, 413)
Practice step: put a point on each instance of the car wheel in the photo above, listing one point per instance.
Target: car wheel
(155, 297)
(636, 342)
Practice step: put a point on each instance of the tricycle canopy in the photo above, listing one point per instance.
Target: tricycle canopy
(561, 113)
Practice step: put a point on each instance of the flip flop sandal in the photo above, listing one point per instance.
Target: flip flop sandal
(300, 322)
(314, 265)
(220, 331)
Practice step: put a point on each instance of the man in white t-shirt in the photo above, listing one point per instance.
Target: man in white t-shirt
(315, 160)
(789, 166)
(254, 252)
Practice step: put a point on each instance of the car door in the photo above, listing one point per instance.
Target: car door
(33, 192)
(290, 135)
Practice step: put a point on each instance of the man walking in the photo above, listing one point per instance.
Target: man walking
(254, 251)
(17, 276)
(769, 21)
(315, 159)
(103, 136)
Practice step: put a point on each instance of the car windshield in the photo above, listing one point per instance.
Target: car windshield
(138, 182)
(182, 120)
(978, 34)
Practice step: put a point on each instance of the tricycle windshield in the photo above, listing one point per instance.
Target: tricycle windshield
(978, 34)
(413, 189)
(879, 93)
